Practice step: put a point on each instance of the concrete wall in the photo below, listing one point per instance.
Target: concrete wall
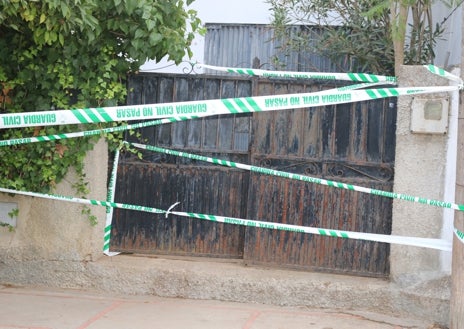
(420, 168)
(56, 230)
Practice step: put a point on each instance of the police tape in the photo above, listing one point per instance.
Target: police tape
(54, 137)
(459, 234)
(109, 210)
(357, 77)
(208, 107)
(309, 179)
(441, 72)
(431, 243)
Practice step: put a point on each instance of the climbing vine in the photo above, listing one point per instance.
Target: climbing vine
(62, 54)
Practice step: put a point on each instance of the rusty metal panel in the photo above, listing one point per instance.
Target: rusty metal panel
(259, 41)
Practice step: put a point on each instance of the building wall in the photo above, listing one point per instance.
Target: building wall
(447, 49)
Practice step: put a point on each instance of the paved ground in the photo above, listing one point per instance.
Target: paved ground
(39, 308)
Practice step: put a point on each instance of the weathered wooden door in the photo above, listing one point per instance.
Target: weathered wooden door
(352, 143)
(160, 181)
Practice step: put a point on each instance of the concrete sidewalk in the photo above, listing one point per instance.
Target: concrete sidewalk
(45, 308)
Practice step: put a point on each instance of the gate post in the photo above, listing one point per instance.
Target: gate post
(419, 170)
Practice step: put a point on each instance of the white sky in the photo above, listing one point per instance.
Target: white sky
(216, 11)
(232, 11)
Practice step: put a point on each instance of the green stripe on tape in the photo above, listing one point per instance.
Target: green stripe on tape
(79, 116)
(441, 71)
(104, 114)
(373, 78)
(44, 139)
(383, 92)
(242, 105)
(431, 68)
(459, 234)
(92, 115)
(393, 91)
(199, 216)
(353, 76)
(229, 106)
(372, 94)
(253, 104)
(367, 77)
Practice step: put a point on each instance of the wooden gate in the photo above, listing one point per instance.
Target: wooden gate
(351, 143)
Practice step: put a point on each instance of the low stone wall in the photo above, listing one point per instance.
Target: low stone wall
(233, 281)
(57, 230)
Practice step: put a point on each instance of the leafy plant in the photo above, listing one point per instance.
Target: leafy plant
(13, 213)
(61, 54)
(371, 35)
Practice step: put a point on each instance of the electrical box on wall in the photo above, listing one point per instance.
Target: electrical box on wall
(8, 213)
(429, 115)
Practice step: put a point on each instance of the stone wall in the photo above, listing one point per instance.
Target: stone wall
(57, 230)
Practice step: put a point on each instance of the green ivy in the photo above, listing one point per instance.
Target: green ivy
(62, 54)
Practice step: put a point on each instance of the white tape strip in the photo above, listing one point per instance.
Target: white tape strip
(410, 241)
(358, 77)
(208, 107)
(109, 210)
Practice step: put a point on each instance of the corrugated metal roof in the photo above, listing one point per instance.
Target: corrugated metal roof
(237, 45)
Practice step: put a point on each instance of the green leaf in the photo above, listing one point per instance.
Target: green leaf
(64, 9)
(130, 5)
(150, 24)
(139, 33)
(155, 38)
